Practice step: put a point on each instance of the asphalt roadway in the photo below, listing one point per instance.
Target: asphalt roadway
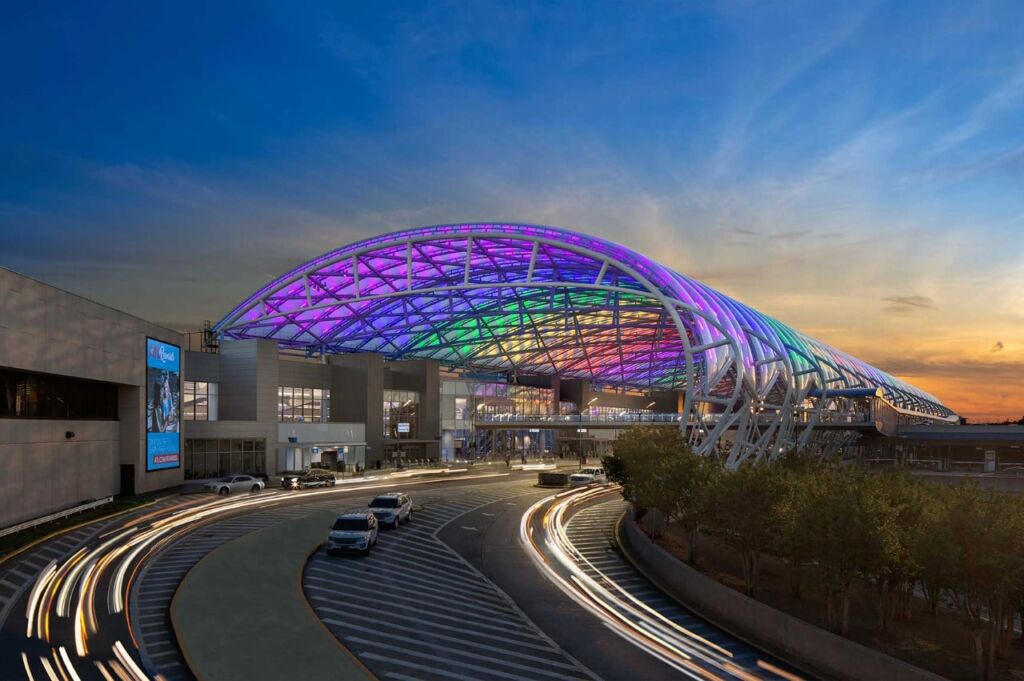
(454, 594)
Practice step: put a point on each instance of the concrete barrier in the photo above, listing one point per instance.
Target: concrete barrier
(789, 638)
(552, 479)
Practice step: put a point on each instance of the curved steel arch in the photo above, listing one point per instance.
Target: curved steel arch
(534, 299)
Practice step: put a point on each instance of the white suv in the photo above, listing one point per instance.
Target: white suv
(392, 509)
(587, 476)
(353, 532)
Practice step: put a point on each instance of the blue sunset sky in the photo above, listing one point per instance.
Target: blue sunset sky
(855, 170)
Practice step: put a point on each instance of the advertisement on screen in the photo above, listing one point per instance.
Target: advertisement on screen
(163, 405)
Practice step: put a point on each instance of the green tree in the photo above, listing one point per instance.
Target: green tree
(896, 571)
(935, 548)
(689, 490)
(848, 532)
(748, 512)
(637, 464)
(988, 527)
(793, 546)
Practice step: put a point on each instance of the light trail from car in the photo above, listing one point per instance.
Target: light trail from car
(543, 534)
(66, 592)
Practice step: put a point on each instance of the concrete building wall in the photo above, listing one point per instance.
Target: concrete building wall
(248, 374)
(203, 366)
(248, 380)
(43, 471)
(300, 374)
(357, 386)
(46, 330)
(206, 430)
(422, 376)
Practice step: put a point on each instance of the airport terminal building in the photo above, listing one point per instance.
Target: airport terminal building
(433, 344)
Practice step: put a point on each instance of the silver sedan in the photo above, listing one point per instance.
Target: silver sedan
(235, 483)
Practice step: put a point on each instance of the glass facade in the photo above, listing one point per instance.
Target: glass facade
(597, 411)
(502, 398)
(303, 405)
(199, 401)
(211, 458)
(27, 395)
(463, 399)
(400, 414)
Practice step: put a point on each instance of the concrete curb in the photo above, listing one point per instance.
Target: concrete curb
(785, 636)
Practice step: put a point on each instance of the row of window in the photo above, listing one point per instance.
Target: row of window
(199, 401)
(400, 414)
(28, 395)
(308, 405)
(213, 458)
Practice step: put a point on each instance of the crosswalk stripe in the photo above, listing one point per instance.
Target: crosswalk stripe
(461, 613)
(424, 596)
(489, 669)
(455, 651)
(462, 632)
(431, 669)
(468, 590)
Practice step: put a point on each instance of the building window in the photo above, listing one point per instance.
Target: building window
(199, 401)
(303, 405)
(27, 395)
(614, 412)
(400, 414)
(209, 458)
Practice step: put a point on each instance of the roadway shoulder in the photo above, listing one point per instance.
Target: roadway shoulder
(240, 612)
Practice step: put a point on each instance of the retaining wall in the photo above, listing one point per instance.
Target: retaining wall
(785, 636)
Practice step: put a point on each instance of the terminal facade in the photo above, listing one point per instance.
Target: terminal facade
(436, 344)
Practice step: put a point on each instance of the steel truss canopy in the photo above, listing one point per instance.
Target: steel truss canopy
(543, 300)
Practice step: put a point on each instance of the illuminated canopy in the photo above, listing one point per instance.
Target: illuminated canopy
(541, 300)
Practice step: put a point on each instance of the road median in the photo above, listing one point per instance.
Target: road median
(240, 612)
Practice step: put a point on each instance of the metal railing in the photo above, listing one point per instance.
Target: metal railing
(54, 516)
(578, 418)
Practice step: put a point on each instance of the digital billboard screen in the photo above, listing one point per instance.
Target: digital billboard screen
(163, 405)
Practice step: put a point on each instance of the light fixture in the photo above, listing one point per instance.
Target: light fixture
(649, 405)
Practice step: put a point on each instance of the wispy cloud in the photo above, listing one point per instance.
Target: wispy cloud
(908, 304)
(785, 156)
(1004, 99)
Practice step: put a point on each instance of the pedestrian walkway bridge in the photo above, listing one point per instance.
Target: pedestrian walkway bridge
(860, 410)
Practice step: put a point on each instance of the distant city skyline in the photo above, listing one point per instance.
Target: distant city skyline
(855, 171)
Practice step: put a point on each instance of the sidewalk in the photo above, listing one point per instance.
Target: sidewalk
(240, 612)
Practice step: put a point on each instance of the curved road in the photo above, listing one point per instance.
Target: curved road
(75, 611)
(571, 538)
(453, 595)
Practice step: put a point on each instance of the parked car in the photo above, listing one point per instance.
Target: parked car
(314, 477)
(588, 476)
(392, 509)
(353, 532)
(235, 483)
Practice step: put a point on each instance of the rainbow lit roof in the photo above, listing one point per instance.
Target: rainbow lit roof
(544, 300)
